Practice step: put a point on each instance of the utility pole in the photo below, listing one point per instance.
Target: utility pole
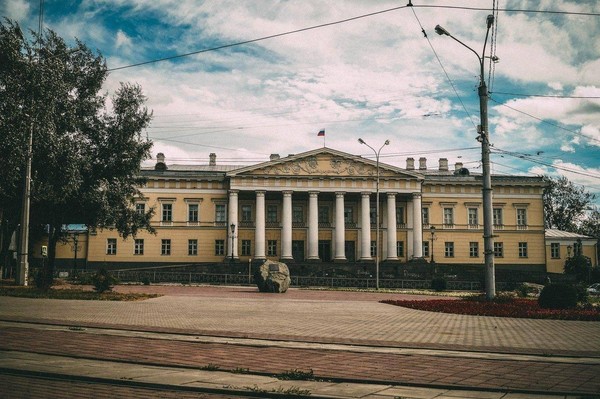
(484, 139)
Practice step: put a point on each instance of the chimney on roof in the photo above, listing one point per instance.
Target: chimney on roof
(160, 162)
(458, 166)
(410, 164)
(422, 163)
(443, 164)
(274, 157)
(212, 159)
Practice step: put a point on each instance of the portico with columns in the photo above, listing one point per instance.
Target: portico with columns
(320, 206)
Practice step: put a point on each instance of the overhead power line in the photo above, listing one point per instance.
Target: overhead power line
(341, 21)
(546, 122)
(540, 95)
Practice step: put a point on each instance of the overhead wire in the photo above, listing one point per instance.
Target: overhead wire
(291, 32)
(546, 122)
(542, 95)
(442, 66)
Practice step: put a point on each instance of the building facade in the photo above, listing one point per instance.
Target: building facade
(321, 206)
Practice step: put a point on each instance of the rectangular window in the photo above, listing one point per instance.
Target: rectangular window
(373, 215)
(449, 249)
(140, 208)
(425, 248)
(473, 217)
(348, 215)
(246, 247)
(192, 212)
(246, 213)
(498, 217)
(373, 249)
(400, 216)
(219, 247)
(167, 212)
(165, 247)
(220, 213)
(521, 217)
(192, 247)
(111, 246)
(297, 214)
(272, 247)
(474, 249)
(400, 249)
(138, 246)
(323, 214)
(499, 249)
(449, 216)
(272, 213)
(555, 250)
(425, 215)
(523, 250)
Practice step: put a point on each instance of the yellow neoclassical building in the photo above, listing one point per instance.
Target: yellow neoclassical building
(320, 206)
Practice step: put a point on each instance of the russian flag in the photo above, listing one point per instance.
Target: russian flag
(321, 133)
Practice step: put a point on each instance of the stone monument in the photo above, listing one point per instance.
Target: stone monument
(272, 277)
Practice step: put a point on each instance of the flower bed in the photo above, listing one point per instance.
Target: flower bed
(515, 307)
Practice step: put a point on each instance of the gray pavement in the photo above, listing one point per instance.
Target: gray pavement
(301, 321)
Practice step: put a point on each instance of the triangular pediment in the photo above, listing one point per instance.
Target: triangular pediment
(324, 162)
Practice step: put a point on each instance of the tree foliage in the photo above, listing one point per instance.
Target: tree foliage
(565, 205)
(87, 147)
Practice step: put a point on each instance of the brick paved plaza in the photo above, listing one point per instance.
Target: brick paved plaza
(343, 337)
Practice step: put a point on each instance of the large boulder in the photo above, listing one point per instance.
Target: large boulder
(272, 277)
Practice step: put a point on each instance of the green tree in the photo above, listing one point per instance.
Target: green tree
(86, 159)
(565, 204)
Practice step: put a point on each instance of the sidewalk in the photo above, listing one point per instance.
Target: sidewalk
(346, 338)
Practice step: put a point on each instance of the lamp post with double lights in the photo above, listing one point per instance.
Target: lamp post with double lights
(387, 142)
(484, 138)
(232, 227)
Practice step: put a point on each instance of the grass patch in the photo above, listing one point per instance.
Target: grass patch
(501, 307)
(295, 374)
(70, 293)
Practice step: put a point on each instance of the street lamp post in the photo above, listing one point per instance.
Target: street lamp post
(387, 142)
(432, 229)
(488, 238)
(232, 226)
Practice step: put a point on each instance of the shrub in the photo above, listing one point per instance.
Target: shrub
(579, 266)
(103, 281)
(439, 284)
(558, 296)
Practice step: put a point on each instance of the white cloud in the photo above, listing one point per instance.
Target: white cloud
(17, 10)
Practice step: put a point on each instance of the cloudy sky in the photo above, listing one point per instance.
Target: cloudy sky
(356, 68)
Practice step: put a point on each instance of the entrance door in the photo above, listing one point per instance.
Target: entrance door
(349, 247)
(298, 251)
(325, 250)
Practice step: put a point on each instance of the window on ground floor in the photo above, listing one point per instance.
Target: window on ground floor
(499, 249)
(555, 250)
(219, 247)
(425, 248)
(449, 249)
(474, 250)
(400, 249)
(111, 246)
(523, 250)
(192, 247)
(165, 247)
(138, 246)
(246, 247)
(272, 247)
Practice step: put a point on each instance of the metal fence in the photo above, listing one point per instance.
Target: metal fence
(154, 277)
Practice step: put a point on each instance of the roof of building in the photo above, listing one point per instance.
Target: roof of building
(555, 233)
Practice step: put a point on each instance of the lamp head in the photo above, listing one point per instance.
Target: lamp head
(432, 228)
(490, 21)
(232, 226)
(361, 141)
(441, 31)
(387, 142)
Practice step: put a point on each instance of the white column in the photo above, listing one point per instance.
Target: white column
(313, 225)
(417, 226)
(365, 227)
(391, 227)
(340, 228)
(233, 219)
(259, 233)
(286, 226)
